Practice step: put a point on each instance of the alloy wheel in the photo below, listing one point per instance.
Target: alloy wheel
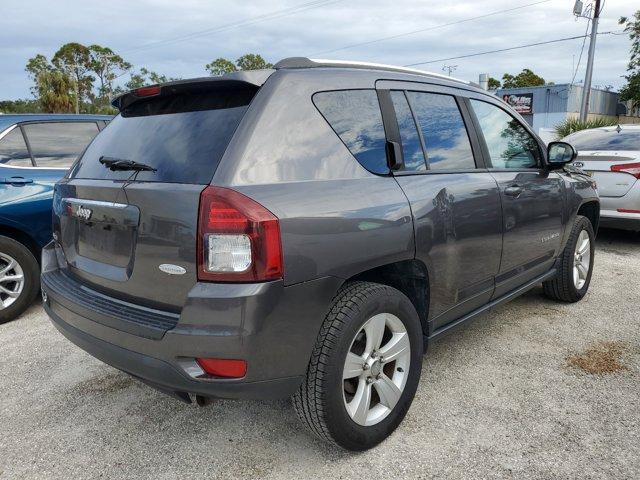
(376, 369)
(581, 260)
(11, 280)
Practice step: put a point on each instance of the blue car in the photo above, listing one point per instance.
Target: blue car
(35, 152)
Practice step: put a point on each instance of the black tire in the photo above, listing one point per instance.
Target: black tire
(319, 402)
(562, 288)
(31, 272)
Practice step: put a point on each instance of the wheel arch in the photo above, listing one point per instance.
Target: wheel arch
(22, 237)
(411, 277)
(591, 210)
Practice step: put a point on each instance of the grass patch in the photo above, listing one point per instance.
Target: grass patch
(600, 359)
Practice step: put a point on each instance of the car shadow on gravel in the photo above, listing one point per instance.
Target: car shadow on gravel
(620, 242)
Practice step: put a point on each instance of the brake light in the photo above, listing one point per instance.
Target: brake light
(147, 91)
(221, 367)
(630, 168)
(238, 239)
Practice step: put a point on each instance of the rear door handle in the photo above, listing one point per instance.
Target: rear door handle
(513, 190)
(18, 180)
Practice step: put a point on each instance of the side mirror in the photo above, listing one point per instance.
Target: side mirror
(559, 154)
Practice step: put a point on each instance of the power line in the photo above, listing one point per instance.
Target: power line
(241, 23)
(435, 27)
(503, 49)
(584, 42)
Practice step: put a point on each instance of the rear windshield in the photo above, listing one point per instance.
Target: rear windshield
(605, 140)
(182, 136)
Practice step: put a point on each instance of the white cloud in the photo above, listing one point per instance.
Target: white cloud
(40, 26)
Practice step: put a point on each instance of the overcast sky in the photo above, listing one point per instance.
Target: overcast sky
(152, 33)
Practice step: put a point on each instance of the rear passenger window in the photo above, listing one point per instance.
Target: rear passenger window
(355, 116)
(445, 135)
(13, 150)
(57, 145)
(411, 148)
(510, 145)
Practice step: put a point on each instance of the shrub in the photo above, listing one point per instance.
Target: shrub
(571, 125)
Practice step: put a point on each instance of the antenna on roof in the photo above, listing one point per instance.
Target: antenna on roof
(449, 68)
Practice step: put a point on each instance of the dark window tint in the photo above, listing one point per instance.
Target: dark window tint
(356, 118)
(445, 136)
(510, 144)
(13, 150)
(182, 136)
(56, 145)
(411, 148)
(605, 140)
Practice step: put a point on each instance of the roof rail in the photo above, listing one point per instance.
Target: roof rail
(304, 62)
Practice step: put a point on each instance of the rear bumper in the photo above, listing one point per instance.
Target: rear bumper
(271, 326)
(610, 216)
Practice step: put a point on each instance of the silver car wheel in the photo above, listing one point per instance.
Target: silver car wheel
(11, 280)
(581, 260)
(376, 369)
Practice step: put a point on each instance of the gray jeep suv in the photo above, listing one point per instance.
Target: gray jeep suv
(307, 231)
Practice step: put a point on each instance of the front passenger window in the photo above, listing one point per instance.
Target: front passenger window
(510, 145)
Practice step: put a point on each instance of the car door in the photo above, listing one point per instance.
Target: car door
(455, 202)
(41, 153)
(532, 197)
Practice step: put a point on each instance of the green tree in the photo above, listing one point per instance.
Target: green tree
(74, 61)
(53, 88)
(20, 106)
(220, 66)
(107, 66)
(56, 92)
(35, 67)
(252, 61)
(631, 91)
(494, 83)
(526, 78)
(146, 77)
(249, 61)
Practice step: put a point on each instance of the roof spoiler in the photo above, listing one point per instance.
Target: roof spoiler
(255, 78)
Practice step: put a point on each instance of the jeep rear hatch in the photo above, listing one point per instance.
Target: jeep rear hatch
(127, 215)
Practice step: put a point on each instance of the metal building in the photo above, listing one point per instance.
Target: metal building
(549, 105)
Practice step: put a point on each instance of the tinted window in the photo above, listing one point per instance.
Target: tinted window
(56, 145)
(445, 135)
(510, 144)
(182, 136)
(355, 116)
(605, 140)
(13, 150)
(411, 148)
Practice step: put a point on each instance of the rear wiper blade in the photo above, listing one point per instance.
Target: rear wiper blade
(114, 164)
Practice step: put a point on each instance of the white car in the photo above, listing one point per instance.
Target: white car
(612, 156)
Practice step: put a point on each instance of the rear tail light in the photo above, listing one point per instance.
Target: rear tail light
(222, 367)
(630, 168)
(238, 239)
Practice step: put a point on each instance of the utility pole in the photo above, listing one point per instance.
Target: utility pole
(586, 92)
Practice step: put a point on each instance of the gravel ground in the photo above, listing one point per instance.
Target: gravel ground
(497, 399)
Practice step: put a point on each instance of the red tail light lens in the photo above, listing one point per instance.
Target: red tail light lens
(630, 168)
(147, 91)
(238, 239)
(221, 367)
